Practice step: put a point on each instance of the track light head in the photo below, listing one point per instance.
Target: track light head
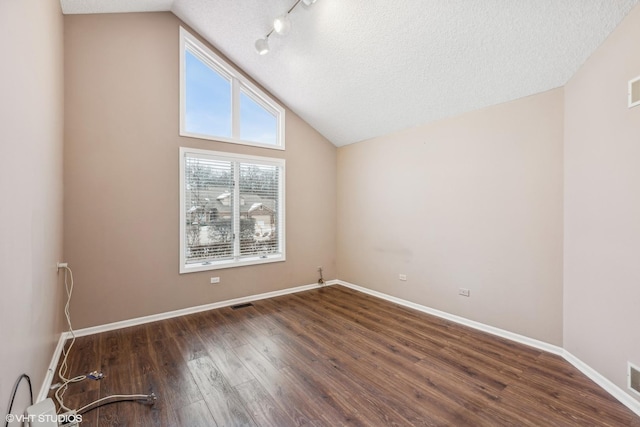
(282, 24)
(262, 46)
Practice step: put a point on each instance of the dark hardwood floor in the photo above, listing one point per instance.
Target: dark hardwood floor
(331, 357)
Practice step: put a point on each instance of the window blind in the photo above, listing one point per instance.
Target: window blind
(232, 209)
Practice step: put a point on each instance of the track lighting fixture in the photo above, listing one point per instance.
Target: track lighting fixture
(281, 26)
(262, 46)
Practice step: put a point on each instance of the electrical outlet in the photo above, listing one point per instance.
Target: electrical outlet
(215, 280)
(464, 292)
(402, 277)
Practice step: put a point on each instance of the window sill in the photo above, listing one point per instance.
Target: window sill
(230, 263)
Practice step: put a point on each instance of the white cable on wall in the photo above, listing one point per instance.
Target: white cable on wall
(62, 372)
(64, 367)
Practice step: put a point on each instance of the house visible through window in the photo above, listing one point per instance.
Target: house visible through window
(231, 210)
(219, 103)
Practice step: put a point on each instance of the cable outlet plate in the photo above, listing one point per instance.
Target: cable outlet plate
(464, 292)
(215, 280)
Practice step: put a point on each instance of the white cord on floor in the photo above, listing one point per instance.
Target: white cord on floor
(116, 397)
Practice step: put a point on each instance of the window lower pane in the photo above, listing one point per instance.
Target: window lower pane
(259, 192)
(208, 209)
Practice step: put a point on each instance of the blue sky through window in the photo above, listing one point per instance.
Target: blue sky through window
(208, 99)
(214, 93)
(256, 123)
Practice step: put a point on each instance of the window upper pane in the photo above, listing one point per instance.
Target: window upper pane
(219, 103)
(208, 99)
(256, 122)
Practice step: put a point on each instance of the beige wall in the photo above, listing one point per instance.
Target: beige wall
(121, 179)
(602, 208)
(31, 118)
(472, 202)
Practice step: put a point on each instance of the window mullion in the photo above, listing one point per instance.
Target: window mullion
(235, 108)
(236, 210)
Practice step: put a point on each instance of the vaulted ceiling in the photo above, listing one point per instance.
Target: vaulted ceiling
(360, 69)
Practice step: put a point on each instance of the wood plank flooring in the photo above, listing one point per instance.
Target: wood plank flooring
(330, 357)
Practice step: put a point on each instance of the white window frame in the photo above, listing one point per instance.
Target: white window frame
(237, 261)
(238, 82)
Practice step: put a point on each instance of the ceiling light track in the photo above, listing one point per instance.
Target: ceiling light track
(281, 26)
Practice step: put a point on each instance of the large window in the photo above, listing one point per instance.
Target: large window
(231, 210)
(217, 102)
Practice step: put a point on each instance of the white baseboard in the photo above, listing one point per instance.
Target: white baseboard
(603, 382)
(541, 345)
(591, 373)
(46, 385)
(594, 375)
(190, 310)
(48, 378)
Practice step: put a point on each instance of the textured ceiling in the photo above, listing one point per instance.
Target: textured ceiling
(360, 69)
